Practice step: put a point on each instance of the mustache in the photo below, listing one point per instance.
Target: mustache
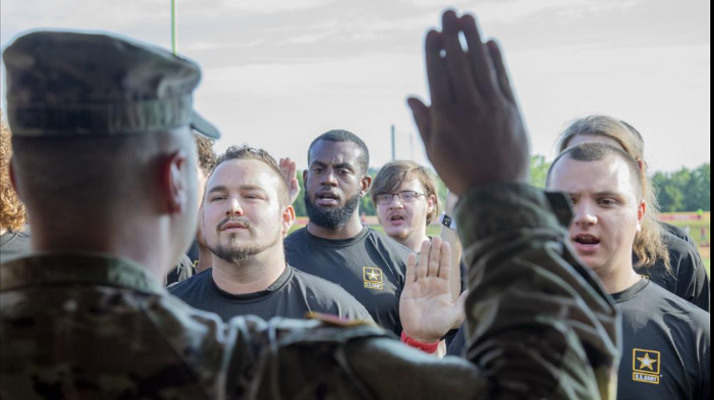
(240, 221)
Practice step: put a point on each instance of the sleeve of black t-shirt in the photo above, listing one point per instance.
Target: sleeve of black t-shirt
(695, 282)
(686, 277)
(678, 232)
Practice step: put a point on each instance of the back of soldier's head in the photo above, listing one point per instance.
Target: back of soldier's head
(92, 117)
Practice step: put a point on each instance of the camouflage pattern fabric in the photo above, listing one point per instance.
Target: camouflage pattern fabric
(73, 84)
(89, 326)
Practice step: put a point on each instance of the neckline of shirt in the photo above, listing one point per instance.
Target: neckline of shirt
(274, 287)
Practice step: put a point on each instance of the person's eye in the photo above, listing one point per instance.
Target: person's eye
(317, 170)
(217, 198)
(409, 196)
(607, 202)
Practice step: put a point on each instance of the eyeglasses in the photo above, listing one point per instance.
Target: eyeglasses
(407, 196)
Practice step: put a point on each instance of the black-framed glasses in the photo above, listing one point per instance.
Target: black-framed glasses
(406, 196)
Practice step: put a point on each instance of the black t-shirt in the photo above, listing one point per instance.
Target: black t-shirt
(370, 267)
(666, 346)
(458, 342)
(292, 295)
(14, 245)
(688, 278)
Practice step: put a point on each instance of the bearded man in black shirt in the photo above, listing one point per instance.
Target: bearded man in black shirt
(666, 340)
(245, 216)
(335, 245)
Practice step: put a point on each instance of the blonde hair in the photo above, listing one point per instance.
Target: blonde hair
(648, 246)
(12, 211)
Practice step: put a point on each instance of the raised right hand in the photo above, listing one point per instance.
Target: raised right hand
(473, 131)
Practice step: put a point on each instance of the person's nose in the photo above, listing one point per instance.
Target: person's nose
(584, 214)
(234, 208)
(329, 178)
(396, 202)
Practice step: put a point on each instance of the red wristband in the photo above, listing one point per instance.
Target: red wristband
(425, 347)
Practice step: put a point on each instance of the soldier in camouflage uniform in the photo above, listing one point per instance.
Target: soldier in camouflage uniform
(88, 318)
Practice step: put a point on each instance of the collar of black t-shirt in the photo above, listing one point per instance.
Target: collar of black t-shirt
(631, 291)
(274, 287)
(337, 242)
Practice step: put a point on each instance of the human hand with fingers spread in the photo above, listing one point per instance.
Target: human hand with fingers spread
(289, 170)
(473, 131)
(426, 309)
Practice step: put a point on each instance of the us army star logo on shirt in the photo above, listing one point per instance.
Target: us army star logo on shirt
(645, 366)
(373, 278)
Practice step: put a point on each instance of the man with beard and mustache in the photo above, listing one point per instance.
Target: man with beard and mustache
(335, 245)
(245, 215)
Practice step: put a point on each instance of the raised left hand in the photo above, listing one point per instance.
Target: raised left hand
(426, 309)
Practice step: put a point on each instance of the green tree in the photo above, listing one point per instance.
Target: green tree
(539, 170)
(697, 193)
(683, 190)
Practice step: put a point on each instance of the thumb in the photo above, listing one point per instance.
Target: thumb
(459, 305)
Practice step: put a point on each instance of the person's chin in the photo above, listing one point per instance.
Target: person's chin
(396, 233)
(592, 261)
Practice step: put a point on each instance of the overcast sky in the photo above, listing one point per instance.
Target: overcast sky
(277, 73)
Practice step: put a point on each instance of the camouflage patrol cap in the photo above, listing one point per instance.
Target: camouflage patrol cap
(70, 83)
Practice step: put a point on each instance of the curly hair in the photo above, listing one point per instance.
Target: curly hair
(12, 211)
(206, 156)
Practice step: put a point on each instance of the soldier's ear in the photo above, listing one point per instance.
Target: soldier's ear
(175, 185)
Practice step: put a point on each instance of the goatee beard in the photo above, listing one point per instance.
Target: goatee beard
(234, 255)
(331, 219)
(237, 251)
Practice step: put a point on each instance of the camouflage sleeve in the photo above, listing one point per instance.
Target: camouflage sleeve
(539, 323)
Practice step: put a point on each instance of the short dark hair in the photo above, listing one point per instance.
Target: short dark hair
(86, 172)
(341, 135)
(246, 152)
(393, 175)
(596, 151)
